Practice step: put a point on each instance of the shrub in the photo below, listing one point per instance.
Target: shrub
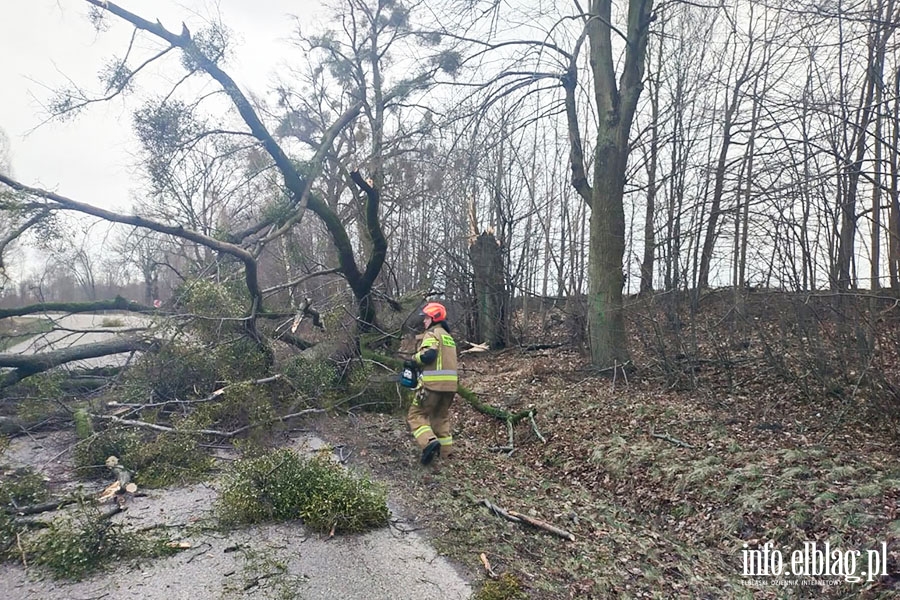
(22, 487)
(239, 359)
(310, 377)
(10, 531)
(74, 548)
(369, 389)
(176, 371)
(241, 405)
(83, 426)
(281, 485)
(155, 460)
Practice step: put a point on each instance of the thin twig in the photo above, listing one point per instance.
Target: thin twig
(615, 374)
(509, 447)
(21, 550)
(210, 432)
(671, 440)
(534, 428)
(849, 401)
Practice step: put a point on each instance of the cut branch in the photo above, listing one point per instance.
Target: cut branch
(39, 508)
(517, 517)
(18, 231)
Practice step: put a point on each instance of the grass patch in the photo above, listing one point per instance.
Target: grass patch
(112, 322)
(506, 587)
(281, 485)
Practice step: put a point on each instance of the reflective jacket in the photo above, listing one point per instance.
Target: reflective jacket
(440, 375)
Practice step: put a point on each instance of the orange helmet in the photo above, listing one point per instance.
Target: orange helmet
(435, 310)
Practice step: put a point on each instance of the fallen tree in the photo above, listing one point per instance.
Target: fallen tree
(117, 303)
(26, 365)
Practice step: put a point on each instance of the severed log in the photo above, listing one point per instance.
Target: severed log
(475, 348)
(517, 517)
(121, 486)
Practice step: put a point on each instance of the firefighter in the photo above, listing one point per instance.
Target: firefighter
(428, 417)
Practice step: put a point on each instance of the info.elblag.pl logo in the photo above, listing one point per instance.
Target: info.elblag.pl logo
(817, 561)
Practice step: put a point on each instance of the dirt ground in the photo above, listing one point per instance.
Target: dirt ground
(663, 490)
(276, 561)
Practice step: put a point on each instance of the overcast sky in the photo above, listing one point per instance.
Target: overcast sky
(44, 42)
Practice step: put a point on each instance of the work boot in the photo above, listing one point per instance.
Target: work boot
(430, 451)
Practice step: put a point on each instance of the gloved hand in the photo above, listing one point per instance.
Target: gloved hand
(410, 364)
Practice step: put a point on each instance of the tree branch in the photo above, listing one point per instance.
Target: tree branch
(179, 231)
(15, 233)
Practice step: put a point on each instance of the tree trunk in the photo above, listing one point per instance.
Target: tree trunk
(615, 105)
(648, 260)
(490, 291)
(879, 34)
(606, 280)
(894, 213)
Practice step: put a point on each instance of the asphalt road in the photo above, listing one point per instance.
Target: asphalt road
(392, 563)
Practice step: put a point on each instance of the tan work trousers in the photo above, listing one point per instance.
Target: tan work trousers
(429, 419)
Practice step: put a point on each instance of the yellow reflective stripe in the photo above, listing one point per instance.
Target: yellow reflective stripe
(440, 378)
(446, 441)
(448, 341)
(429, 342)
(423, 429)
